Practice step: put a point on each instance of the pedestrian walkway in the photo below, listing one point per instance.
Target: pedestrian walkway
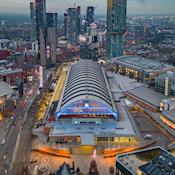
(4, 127)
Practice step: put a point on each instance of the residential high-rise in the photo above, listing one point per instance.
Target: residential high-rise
(78, 20)
(40, 7)
(42, 47)
(33, 21)
(45, 27)
(90, 45)
(40, 11)
(90, 15)
(72, 24)
(51, 45)
(66, 24)
(52, 19)
(38, 15)
(116, 27)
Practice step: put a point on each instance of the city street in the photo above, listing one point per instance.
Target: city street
(11, 139)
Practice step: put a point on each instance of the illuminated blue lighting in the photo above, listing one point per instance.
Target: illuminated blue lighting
(86, 105)
(82, 107)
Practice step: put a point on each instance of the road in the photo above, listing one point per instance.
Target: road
(16, 149)
(7, 150)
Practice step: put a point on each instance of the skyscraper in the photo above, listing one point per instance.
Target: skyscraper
(90, 15)
(33, 21)
(51, 45)
(52, 19)
(40, 12)
(51, 37)
(65, 24)
(52, 22)
(116, 27)
(42, 47)
(45, 27)
(40, 7)
(72, 24)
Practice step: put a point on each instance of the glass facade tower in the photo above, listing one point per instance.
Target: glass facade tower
(33, 21)
(72, 24)
(116, 27)
(40, 6)
(90, 15)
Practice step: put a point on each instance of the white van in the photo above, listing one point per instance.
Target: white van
(3, 141)
(148, 136)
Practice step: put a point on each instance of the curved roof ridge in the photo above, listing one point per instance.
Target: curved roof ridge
(81, 84)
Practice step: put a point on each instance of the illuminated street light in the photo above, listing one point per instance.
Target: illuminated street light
(94, 153)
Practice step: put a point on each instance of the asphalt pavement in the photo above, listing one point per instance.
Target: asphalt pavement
(7, 150)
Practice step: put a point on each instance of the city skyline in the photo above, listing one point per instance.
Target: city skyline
(134, 6)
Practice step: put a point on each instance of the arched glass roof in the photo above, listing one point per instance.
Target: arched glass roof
(86, 82)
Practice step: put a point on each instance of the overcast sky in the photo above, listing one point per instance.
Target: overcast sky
(134, 6)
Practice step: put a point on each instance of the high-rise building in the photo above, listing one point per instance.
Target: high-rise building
(51, 45)
(72, 24)
(42, 47)
(40, 7)
(52, 19)
(89, 46)
(116, 27)
(52, 22)
(83, 25)
(33, 21)
(78, 20)
(40, 12)
(90, 15)
(48, 46)
(66, 24)
(38, 16)
(89, 51)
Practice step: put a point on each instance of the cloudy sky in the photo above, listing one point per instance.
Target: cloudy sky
(134, 6)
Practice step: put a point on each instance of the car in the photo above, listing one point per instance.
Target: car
(148, 136)
(3, 141)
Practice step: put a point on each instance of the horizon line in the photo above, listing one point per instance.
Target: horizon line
(131, 14)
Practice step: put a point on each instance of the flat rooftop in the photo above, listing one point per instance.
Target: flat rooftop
(142, 63)
(5, 89)
(147, 95)
(152, 161)
(4, 71)
(118, 86)
(108, 127)
(122, 83)
(164, 164)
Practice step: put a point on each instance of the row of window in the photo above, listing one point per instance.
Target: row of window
(104, 139)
